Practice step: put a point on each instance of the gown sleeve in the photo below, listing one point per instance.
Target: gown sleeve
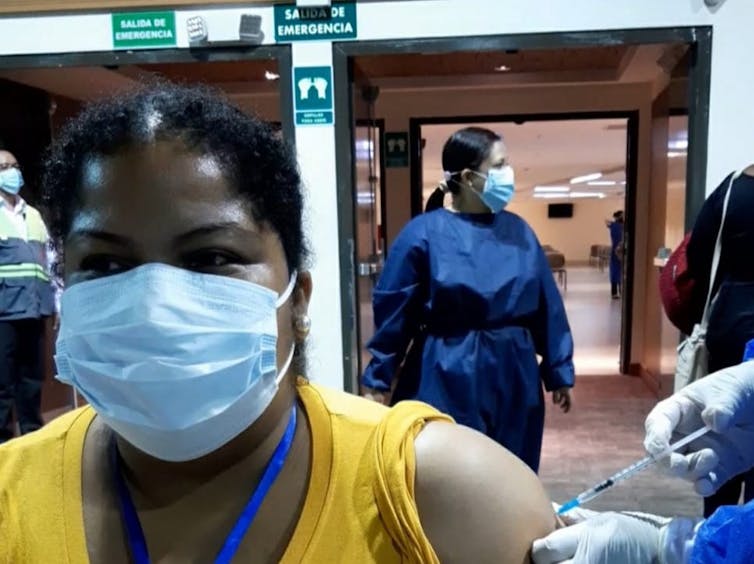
(397, 305)
(552, 334)
(726, 536)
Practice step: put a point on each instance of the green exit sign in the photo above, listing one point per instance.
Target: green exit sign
(143, 30)
(331, 23)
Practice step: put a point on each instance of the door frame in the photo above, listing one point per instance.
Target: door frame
(280, 53)
(629, 198)
(698, 37)
(380, 124)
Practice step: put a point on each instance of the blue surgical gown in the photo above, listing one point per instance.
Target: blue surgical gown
(616, 267)
(466, 302)
(727, 537)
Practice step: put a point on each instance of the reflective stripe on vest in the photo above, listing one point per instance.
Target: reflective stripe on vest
(29, 269)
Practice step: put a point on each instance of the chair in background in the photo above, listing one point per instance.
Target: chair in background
(604, 256)
(557, 265)
(594, 255)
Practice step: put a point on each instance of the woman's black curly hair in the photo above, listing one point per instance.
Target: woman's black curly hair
(260, 166)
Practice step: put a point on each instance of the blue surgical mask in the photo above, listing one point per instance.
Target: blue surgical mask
(498, 188)
(11, 180)
(176, 362)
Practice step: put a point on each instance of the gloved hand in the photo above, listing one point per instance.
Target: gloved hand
(604, 538)
(724, 401)
(618, 538)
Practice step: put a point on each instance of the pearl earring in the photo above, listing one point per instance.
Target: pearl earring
(302, 326)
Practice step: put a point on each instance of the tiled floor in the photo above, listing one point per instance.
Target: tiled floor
(603, 434)
(604, 431)
(595, 321)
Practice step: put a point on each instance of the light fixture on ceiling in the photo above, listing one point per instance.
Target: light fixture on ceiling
(602, 183)
(502, 68)
(586, 178)
(678, 144)
(550, 189)
(269, 75)
(676, 154)
(549, 195)
(599, 195)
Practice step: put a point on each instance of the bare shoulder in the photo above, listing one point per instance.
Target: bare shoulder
(477, 502)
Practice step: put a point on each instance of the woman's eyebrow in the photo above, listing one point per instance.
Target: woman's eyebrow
(101, 235)
(224, 228)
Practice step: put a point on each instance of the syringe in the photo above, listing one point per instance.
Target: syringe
(626, 473)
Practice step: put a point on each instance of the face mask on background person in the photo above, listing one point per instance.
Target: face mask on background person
(178, 363)
(11, 180)
(499, 187)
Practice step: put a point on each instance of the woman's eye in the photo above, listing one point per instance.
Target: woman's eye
(104, 265)
(210, 259)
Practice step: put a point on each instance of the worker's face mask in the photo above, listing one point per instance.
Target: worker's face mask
(176, 362)
(11, 180)
(499, 187)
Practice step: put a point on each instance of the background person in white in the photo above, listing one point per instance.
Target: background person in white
(26, 298)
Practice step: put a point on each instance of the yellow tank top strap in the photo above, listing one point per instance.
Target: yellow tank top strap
(395, 462)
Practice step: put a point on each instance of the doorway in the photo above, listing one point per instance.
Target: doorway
(441, 60)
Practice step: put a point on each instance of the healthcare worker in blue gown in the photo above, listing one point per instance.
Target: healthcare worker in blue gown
(465, 304)
(723, 401)
(616, 254)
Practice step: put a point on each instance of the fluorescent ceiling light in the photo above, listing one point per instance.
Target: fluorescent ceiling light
(676, 154)
(502, 68)
(678, 145)
(271, 75)
(586, 178)
(602, 183)
(549, 196)
(542, 189)
(587, 195)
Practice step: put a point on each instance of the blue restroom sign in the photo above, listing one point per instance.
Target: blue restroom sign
(308, 24)
(313, 95)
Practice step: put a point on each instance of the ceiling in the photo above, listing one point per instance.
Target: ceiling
(472, 69)
(217, 73)
(548, 154)
(459, 70)
(486, 62)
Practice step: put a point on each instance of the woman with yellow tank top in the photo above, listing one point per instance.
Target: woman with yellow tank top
(183, 326)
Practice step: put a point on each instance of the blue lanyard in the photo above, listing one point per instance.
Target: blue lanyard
(135, 534)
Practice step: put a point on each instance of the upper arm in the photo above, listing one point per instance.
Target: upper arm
(397, 295)
(477, 502)
(406, 260)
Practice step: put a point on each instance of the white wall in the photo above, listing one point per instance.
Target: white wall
(572, 236)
